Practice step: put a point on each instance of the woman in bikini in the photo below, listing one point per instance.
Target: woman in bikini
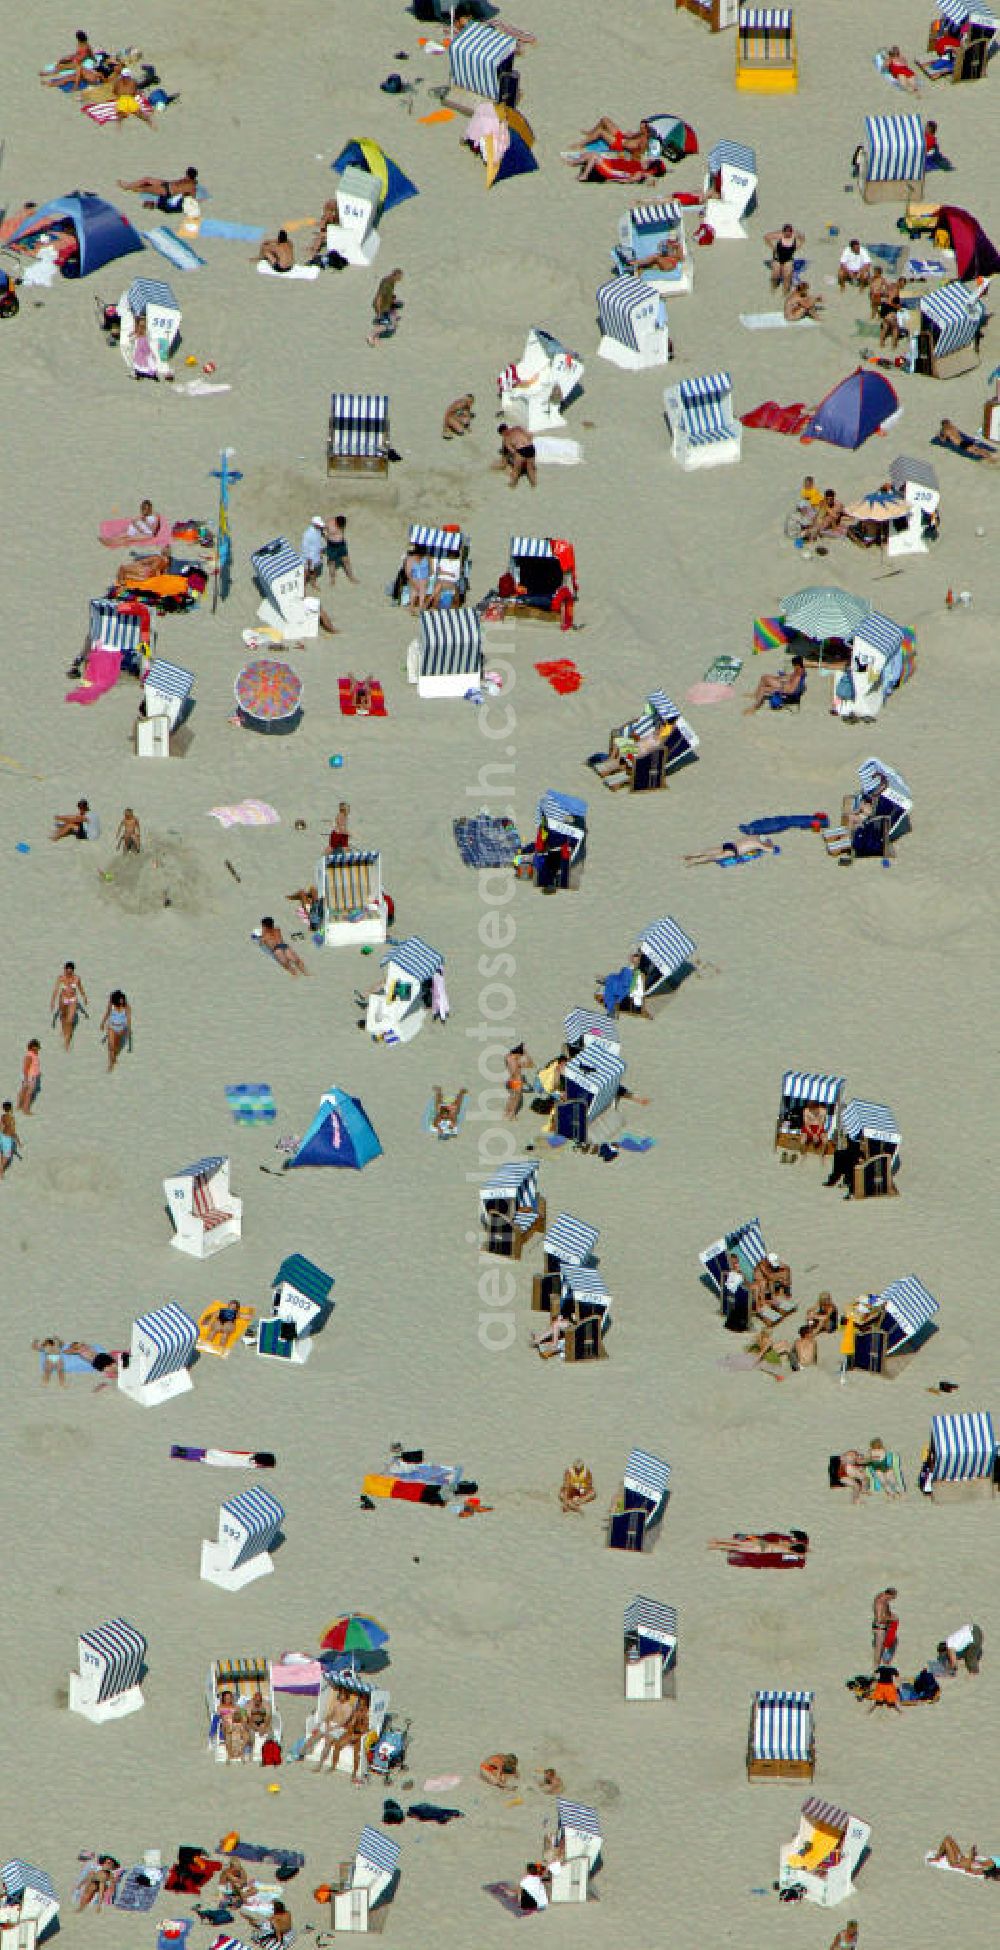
(116, 1023)
(67, 996)
(517, 1062)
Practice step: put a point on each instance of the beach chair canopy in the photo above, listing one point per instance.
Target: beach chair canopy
(906, 472)
(145, 293)
(170, 1337)
(341, 1133)
(854, 410)
(102, 232)
(580, 1819)
(746, 1241)
(451, 643)
(272, 562)
(646, 222)
(517, 1181)
(653, 1624)
(826, 1814)
(570, 1241)
(964, 1447)
(910, 1307)
(479, 56)
(359, 423)
(765, 20)
(736, 154)
(169, 680)
(647, 1476)
(624, 305)
(862, 1119)
(379, 1851)
(393, 186)
(18, 1876)
(562, 813)
(415, 957)
(666, 945)
(437, 541)
(585, 1287)
(782, 1726)
(202, 1168)
(811, 1087)
(118, 1651)
(251, 1522)
(528, 548)
(955, 314)
(874, 774)
(305, 1276)
(894, 148)
(880, 633)
(111, 629)
(596, 1072)
(581, 1024)
(965, 13)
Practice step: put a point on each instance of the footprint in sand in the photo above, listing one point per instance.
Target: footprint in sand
(79, 1179)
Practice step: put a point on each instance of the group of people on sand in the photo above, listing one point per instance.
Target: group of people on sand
(68, 1002)
(119, 76)
(242, 1722)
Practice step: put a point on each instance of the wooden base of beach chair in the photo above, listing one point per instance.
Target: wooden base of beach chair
(981, 1490)
(780, 1770)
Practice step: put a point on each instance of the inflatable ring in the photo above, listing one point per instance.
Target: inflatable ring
(228, 1842)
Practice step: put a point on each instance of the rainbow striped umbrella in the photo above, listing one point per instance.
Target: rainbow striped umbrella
(354, 1633)
(268, 690)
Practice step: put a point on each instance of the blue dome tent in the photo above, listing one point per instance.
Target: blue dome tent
(340, 1134)
(102, 232)
(854, 410)
(394, 187)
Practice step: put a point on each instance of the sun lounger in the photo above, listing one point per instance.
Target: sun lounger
(222, 1346)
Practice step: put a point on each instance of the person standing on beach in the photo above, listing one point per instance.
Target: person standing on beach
(116, 1023)
(31, 1076)
(337, 549)
(9, 1147)
(885, 1624)
(386, 308)
(67, 996)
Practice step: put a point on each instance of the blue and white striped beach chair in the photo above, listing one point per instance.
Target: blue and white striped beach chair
(704, 431)
(900, 1318)
(582, 1026)
(447, 658)
(358, 440)
(953, 318)
(892, 158)
(511, 1209)
(730, 187)
(248, 1526)
(112, 1660)
(166, 693)
(666, 956)
(646, 230)
(782, 1740)
(28, 1904)
(373, 1878)
(804, 1095)
(962, 1456)
(650, 1649)
(638, 1510)
(592, 1082)
(633, 321)
(579, 1840)
(481, 59)
(568, 1243)
(163, 1345)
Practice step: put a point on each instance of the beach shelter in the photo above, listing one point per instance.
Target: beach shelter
(640, 1504)
(716, 15)
(877, 667)
(112, 1660)
(533, 391)
(28, 1905)
(504, 139)
(447, 552)
(961, 1456)
(578, 1843)
(975, 255)
(704, 431)
(371, 1879)
(560, 839)
(809, 1111)
(650, 1631)
(399, 1009)
(242, 1678)
(966, 32)
(648, 228)
(163, 1346)
(511, 1208)
(392, 185)
(248, 1526)
(354, 909)
(951, 325)
(279, 571)
(890, 803)
(734, 1285)
(351, 1758)
(730, 188)
(481, 61)
(826, 1854)
(666, 954)
(568, 1243)
(166, 694)
(206, 1214)
(891, 163)
(358, 437)
(896, 1320)
(447, 658)
(642, 751)
(633, 321)
(592, 1081)
(102, 233)
(300, 1309)
(583, 1026)
(781, 1744)
(340, 1134)
(584, 1304)
(855, 409)
(767, 61)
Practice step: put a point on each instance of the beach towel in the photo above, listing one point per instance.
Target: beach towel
(616, 989)
(770, 321)
(138, 1888)
(919, 268)
(376, 696)
(200, 388)
(629, 1142)
(705, 693)
(785, 823)
(164, 240)
(562, 674)
(508, 1896)
(73, 1363)
(484, 841)
(104, 112)
(246, 812)
(953, 1869)
(439, 115)
(251, 1103)
(224, 1458)
(115, 533)
(103, 670)
(310, 271)
(551, 451)
(774, 418)
(233, 233)
(963, 452)
(724, 670)
(428, 1122)
(887, 1480)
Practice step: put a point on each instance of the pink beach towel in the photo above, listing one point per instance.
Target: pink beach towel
(248, 812)
(116, 533)
(704, 693)
(103, 671)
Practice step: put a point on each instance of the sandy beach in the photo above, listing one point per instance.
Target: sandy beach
(507, 1635)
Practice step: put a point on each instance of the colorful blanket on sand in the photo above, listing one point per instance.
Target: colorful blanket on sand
(247, 812)
(774, 418)
(251, 1103)
(484, 841)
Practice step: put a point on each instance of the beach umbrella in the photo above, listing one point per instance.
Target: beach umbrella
(823, 613)
(880, 506)
(677, 136)
(269, 695)
(354, 1633)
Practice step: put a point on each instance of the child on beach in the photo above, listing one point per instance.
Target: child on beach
(9, 1147)
(128, 838)
(31, 1076)
(51, 1351)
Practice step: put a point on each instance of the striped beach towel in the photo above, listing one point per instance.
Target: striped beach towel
(251, 1103)
(889, 1480)
(769, 633)
(173, 248)
(104, 112)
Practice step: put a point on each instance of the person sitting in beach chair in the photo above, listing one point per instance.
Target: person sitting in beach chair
(787, 688)
(577, 1487)
(345, 1725)
(563, 1317)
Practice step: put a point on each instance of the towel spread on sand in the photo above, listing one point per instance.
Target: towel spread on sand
(302, 271)
(550, 451)
(770, 321)
(251, 1103)
(785, 823)
(103, 671)
(72, 1363)
(104, 112)
(234, 233)
(774, 418)
(709, 693)
(173, 248)
(247, 812)
(723, 670)
(952, 1867)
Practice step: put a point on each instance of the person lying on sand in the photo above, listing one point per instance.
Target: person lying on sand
(446, 1117)
(458, 417)
(949, 435)
(144, 524)
(274, 941)
(969, 1861)
(517, 454)
(500, 1770)
(141, 568)
(165, 193)
(51, 1350)
(750, 849)
(577, 1487)
(80, 66)
(98, 1882)
(767, 1543)
(278, 252)
(623, 144)
(800, 303)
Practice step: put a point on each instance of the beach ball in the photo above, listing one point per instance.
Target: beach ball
(209, 367)
(190, 360)
(336, 761)
(274, 1788)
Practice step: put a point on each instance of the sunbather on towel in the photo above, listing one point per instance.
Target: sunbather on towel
(165, 193)
(98, 1882)
(126, 98)
(613, 166)
(605, 130)
(901, 71)
(830, 517)
(730, 851)
(278, 252)
(949, 435)
(274, 941)
(446, 1117)
(768, 1543)
(969, 1861)
(78, 67)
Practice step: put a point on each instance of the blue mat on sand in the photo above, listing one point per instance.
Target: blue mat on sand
(173, 248)
(74, 1363)
(251, 1103)
(629, 1143)
(235, 233)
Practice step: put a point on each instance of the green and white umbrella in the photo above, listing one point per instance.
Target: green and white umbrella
(824, 613)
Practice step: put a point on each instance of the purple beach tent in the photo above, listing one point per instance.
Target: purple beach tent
(855, 409)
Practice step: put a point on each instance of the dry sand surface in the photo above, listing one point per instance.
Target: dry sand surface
(507, 1634)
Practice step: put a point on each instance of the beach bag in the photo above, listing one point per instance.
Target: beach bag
(704, 234)
(270, 1754)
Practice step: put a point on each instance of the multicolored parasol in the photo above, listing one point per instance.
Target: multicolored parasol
(268, 692)
(354, 1633)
